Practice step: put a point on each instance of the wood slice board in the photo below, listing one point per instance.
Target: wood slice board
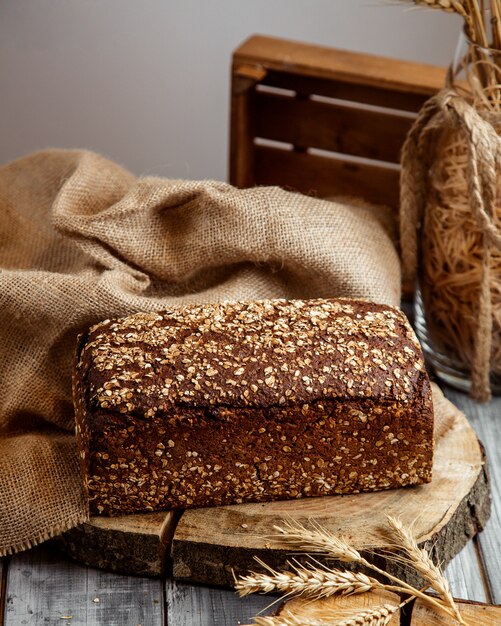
(471, 612)
(341, 607)
(210, 544)
(130, 544)
(418, 614)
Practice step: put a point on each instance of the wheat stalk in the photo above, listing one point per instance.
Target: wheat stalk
(496, 24)
(422, 562)
(451, 6)
(313, 581)
(481, 62)
(320, 540)
(371, 617)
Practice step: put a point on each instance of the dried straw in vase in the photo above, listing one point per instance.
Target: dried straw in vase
(481, 72)
(452, 261)
(449, 197)
(480, 65)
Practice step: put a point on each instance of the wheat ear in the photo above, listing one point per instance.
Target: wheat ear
(371, 617)
(422, 562)
(318, 540)
(313, 581)
(451, 6)
(324, 542)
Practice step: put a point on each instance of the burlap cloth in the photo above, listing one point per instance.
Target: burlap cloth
(82, 239)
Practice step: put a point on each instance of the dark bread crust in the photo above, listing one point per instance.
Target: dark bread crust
(219, 404)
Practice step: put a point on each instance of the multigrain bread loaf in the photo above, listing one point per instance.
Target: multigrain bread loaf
(228, 403)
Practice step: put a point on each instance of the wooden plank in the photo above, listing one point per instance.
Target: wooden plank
(3, 585)
(486, 420)
(45, 588)
(209, 543)
(352, 67)
(241, 165)
(187, 605)
(465, 576)
(340, 608)
(323, 176)
(478, 614)
(363, 94)
(313, 124)
(136, 544)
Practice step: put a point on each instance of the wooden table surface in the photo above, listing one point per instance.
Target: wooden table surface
(43, 587)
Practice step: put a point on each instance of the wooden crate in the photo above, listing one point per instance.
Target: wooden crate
(323, 121)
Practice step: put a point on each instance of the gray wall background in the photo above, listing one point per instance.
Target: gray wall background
(146, 82)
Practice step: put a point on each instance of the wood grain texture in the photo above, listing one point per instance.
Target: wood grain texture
(465, 576)
(189, 605)
(322, 176)
(135, 544)
(209, 543)
(480, 615)
(353, 67)
(328, 126)
(369, 95)
(305, 70)
(242, 121)
(45, 588)
(341, 608)
(3, 585)
(486, 420)
(395, 87)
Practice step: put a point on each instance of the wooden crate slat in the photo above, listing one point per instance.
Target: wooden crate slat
(340, 90)
(350, 67)
(313, 124)
(324, 176)
(241, 163)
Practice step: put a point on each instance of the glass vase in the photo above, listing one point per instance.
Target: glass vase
(451, 242)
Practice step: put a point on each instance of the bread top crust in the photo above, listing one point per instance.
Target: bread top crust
(253, 354)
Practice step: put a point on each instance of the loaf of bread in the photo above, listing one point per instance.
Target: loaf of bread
(228, 403)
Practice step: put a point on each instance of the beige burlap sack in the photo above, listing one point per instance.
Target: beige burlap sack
(82, 239)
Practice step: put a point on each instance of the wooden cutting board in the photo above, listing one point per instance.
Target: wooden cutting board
(208, 545)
